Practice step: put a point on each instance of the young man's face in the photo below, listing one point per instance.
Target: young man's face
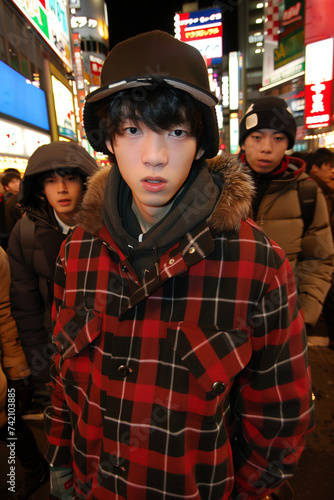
(154, 165)
(325, 172)
(265, 149)
(64, 194)
(13, 186)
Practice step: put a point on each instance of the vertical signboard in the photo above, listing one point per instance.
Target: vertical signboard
(63, 99)
(233, 75)
(283, 57)
(318, 83)
(291, 36)
(234, 133)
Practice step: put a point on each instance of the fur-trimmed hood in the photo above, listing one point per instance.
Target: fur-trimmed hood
(233, 205)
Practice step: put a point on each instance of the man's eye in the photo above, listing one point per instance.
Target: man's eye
(132, 130)
(178, 132)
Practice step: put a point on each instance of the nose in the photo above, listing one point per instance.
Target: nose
(62, 186)
(154, 150)
(266, 144)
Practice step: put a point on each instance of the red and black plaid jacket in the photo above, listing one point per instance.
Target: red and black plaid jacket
(192, 386)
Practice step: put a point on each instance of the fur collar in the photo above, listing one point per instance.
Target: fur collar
(233, 205)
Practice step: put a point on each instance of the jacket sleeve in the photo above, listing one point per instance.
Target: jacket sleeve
(315, 266)
(28, 310)
(272, 399)
(13, 358)
(57, 421)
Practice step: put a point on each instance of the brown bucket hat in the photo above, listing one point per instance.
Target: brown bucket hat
(150, 59)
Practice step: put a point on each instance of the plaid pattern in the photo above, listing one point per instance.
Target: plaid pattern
(145, 374)
(272, 23)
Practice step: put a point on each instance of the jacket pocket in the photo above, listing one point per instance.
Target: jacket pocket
(210, 359)
(75, 329)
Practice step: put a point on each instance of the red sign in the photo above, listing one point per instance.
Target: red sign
(318, 104)
(203, 30)
(319, 20)
(96, 66)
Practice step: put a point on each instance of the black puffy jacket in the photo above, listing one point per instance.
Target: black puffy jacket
(32, 271)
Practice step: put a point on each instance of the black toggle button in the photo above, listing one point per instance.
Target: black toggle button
(124, 268)
(218, 387)
(61, 348)
(123, 370)
(117, 470)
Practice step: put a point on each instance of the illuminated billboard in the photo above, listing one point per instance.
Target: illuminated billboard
(50, 19)
(19, 140)
(64, 106)
(203, 30)
(318, 83)
(20, 99)
(283, 57)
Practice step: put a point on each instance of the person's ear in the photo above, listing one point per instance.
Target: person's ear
(109, 146)
(314, 168)
(242, 146)
(199, 154)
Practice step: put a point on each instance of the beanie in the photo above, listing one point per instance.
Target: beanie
(150, 59)
(269, 112)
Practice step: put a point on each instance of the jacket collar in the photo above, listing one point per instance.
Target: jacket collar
(233, 204)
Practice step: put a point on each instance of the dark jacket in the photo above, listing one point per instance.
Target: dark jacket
(3, 231)
(32, 288)
(32, 274)
(146, 367)
(12, 213)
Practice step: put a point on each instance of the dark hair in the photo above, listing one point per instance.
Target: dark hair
(13, 170)
(158, 108)
(319, 157)
(61, 172)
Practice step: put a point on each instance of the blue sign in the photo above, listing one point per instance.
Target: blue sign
(20, 99)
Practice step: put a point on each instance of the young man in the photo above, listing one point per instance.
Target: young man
(52, 189)
(182, 367)
(320, 166)
(267, 130)
(11, 183)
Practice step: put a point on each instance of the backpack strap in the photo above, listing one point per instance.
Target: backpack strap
(27, 236)
(307, 192)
